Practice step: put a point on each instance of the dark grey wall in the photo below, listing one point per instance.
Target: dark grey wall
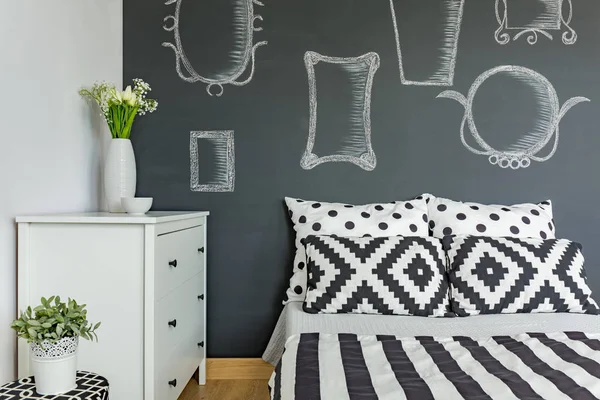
(415, 136)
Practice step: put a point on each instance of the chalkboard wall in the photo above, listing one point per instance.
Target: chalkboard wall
(415, 136)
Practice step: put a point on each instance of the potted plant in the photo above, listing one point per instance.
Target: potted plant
(119, 109)
(52, 330)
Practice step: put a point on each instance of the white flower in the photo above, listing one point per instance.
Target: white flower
(118, 97)
(133, 101)
(129, 97)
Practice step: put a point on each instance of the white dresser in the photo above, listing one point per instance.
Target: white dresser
(143, 277)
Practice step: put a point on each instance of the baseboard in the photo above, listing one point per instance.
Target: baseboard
(238, 368)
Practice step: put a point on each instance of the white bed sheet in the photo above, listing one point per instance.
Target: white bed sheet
(294, 320)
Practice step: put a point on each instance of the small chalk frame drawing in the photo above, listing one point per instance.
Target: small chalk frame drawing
(224, 176)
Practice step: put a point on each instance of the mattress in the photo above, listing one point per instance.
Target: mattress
(293, 320)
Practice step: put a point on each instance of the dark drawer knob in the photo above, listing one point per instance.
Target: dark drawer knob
(173, 263)
(173, 383)
(173, 323)
(201, 344)
(201, 297)
(201, 250)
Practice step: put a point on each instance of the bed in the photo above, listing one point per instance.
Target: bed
(396, 357)
(490, 305)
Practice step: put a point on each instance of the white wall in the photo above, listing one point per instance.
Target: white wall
(51, 144)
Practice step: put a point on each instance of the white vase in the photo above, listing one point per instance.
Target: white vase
(119, 174)
(55, 366)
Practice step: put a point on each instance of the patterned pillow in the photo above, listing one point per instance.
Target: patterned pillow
(320, 218)
(448, 217)
(509, 275)
(385, 275)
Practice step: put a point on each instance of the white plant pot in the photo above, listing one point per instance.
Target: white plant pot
(119, 174)
(55, 366)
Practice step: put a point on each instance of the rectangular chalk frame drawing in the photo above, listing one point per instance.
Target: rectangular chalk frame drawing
(356, 148)
(223, 177)
(427, 51)
(531, 18)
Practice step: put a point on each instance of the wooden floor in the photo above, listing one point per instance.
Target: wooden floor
(229, 389)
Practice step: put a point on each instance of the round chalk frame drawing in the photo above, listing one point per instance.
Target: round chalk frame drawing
(515, 159)
(552, 101)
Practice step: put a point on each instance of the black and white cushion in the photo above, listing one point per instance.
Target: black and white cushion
(385, 275)
(509, 275)
(448, 217)
(408, 218)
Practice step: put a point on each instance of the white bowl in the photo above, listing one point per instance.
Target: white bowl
(136, 205)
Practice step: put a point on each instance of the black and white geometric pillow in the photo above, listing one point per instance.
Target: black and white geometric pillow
(448, 217)
(408, 218)
(510, 275)
(385, 275)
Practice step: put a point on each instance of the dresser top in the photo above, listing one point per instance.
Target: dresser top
(152, 217)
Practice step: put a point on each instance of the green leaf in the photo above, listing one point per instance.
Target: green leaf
(129, 121)
(54, 319)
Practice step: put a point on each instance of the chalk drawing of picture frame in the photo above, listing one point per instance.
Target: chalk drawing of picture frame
(222, 143)
(242, 55)
(357, 148)
(445, 24)
(532, 18)
(526, 149)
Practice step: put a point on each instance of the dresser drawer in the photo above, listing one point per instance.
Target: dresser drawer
(179, 256)
(171, 377)
(178, 316)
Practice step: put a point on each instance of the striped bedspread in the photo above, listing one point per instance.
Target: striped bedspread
(350, 367)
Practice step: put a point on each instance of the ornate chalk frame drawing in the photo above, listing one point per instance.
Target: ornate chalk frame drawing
(450, 45)
(569, 36)
(226, 160)
(530, 144)
(248, 54)
(367, 159)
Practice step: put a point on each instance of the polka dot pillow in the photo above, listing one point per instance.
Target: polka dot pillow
(407, 218)
(448, 217)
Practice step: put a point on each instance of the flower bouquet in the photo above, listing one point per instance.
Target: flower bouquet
(119, 109)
